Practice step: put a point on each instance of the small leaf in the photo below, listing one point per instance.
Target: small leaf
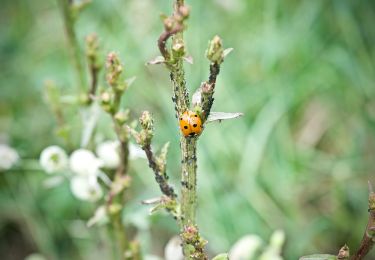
(196, 99)
(164, 152)
(130, 81)
(188, 59)
(221, 257)
(156, 208)
(219, 116)
(227, 51)
(163, 17)
(156, 60)
(318, 257)
(100, 217)
(152, 201)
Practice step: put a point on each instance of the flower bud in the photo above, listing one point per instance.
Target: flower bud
(114, 69)
(109, 154)
(8, 157)
(184, 11)
(147, 131)
(83, 162)
(215, 51)
(178, 48)
(53, 159)
(86, 188)
(122, 116)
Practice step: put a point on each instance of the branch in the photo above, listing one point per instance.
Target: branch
(193, 245)
(92, 47)
(157, 164)
(368, 239)
(160, 177)
(215, 53)
(164, 38)
(110, 100)
(68, 11)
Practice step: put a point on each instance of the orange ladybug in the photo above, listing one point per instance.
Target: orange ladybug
(190, 124)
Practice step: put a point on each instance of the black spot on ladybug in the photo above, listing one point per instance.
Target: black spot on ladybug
(195, 125)
(186, 127)
(192, 134)
(196, 115)
(180, 118)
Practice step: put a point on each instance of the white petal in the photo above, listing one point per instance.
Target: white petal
(173, 250)
(108, 152)
(136, 152)
(245, 248)
(277, 239)
(53, 159)
(83, 162)
(8, 157)
(86, 188)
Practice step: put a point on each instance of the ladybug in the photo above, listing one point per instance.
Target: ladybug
(190, 124)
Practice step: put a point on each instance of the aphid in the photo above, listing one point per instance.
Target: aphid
(190, 123)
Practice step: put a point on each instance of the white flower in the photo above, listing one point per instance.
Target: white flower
(108, 153)
(136, 152)
(86, 188)
(8, 157)
(273, 250)
(245, 247)
(173, 250)
(35, 256)
(277, 240)
(83, 162)
(53, 159)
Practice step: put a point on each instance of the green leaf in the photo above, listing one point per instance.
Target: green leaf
(318, 257)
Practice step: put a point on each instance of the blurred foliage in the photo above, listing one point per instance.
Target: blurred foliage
(302, 72)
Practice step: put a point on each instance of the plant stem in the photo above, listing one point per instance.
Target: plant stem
(368, 242)
(188, 180)
(66, 10)
(192, 243)
(160, 177)
(120, 235)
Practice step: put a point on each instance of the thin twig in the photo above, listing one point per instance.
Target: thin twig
(94, 71)
(66, 10)
(164, 38)
(160, 177)
(368, 239)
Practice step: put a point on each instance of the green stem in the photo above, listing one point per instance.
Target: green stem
(120, 235)
(66, 10)
(368, 239)
(180, 93)
(192, 243)
(188, 181)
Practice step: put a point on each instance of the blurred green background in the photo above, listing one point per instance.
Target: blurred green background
(303, 74)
